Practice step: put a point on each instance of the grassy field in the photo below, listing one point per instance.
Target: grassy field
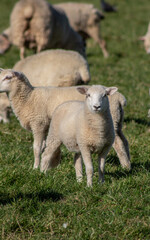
(55, 206)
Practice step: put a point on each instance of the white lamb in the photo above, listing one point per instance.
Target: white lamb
(55, 68)
(34, 107)
(83, 127)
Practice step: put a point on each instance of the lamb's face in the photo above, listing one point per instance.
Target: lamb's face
(96, 97)
(97, 100)
(5, 80)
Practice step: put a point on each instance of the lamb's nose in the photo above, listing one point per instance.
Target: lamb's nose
(97, 107)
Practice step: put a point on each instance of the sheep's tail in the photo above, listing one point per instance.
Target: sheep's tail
(122, 100)
(28, 11)
(85, 75)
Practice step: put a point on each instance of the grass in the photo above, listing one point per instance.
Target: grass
(55, 206)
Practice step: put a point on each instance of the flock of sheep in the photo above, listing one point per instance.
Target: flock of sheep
(84, 118)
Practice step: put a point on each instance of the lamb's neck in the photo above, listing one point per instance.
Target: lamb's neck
(97, 119)
(19, 94)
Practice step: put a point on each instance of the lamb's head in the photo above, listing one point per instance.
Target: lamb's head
(97, 97)
(8, 77)
(146, 40)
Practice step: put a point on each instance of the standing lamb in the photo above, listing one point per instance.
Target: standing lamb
(55, 68)
(85, 19)
(83, 127)
(34, 107)
(37, 24)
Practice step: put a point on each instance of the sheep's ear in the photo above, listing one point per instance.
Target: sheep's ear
(82, 90)
(111, 90)
(18, 74)
(1, 69)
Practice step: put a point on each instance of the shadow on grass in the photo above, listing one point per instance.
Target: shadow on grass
(41, 196)
(135, 169)
(137, 120)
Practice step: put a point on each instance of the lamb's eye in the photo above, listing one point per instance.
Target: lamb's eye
(88, 95)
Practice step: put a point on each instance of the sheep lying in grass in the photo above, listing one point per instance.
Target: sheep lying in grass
(83, 127)
(34, 106)
(42, 68)
(85, 18)
(37, 24)
(146, 40)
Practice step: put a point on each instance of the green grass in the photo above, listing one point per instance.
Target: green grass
(55, 206)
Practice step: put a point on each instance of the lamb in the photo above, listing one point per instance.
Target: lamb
(37, 24)
(42, 68)
(84, 19)
(146, 40)
(83, 127)
(34, 107)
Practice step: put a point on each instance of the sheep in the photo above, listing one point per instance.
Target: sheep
(85, 18)
(146, 40)
(37, 24)
(83, 127)
(33, 106)
(42, 68)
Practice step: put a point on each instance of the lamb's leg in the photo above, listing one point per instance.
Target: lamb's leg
(86, 155)
(95, 34)
(51, 155)
(122, 149)
(78, 166)
(37, 146)
(101, 165)
(22, 52)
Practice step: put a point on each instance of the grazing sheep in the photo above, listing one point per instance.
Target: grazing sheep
(37, 24)
(34, 106)
(146, 40)
(55, 68)
(83, 127)
(84, 19)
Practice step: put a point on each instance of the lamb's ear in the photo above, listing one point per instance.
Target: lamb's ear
(1, 69)
(82, 90)
(111, 90)
(19, 75)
